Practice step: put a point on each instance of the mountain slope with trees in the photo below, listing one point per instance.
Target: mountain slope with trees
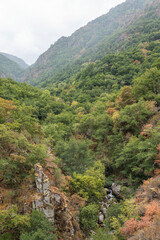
(11, 66)
(76, 48)
(96, 133)
(19, 61)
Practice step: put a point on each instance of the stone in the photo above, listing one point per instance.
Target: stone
(100, 218)
(116, 188)
(57, 197)
(48, 212)
(104, 211)
(37, 204)
(47, 199)
(46, 186)
(43, 203)
(107, 205)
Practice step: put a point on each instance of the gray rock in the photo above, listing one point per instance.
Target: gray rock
(46, 186)
(47, 199)
(116, 188)
(48, 211)
(37, 204)
(57, 198)
(100, 218)
(43, 186)
(107, 205)
(104, 211)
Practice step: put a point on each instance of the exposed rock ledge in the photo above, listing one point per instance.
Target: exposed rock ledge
(57, 207)
(44, 202)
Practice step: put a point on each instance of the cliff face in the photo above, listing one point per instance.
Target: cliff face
(45, 200)
(61, 210)
(56, 206)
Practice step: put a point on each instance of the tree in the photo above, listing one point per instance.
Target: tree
(90, 185)
(39, 229)
(89, 217)
(75, 154)
(12, 223)
(148, 85)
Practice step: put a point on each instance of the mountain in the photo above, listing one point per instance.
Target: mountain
(9, 68)
(77, 49)
(84, 153)
(12, 66)
(17, 60)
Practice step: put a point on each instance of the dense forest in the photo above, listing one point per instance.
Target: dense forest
(84, 147)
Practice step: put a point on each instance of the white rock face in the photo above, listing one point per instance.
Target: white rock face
(43, 203)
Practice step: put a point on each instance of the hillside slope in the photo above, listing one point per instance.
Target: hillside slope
(69, 49)
(11, 66)
(15, 59)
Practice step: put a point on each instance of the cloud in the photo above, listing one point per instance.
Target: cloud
(29, 27)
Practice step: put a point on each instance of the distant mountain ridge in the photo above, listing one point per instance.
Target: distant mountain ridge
(68, 50)
(11, 66)
(109, 33)
(19, 61)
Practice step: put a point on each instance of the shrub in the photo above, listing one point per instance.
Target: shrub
(91, 184)
(40, 228)
(89, 217)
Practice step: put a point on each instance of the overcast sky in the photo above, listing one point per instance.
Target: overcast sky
(29, 27)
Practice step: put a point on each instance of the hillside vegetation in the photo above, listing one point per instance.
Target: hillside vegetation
(19, 61)
(86, 44)
(91, 128)
(11, 66)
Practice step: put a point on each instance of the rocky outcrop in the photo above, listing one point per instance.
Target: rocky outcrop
(61, 210)
(44, 201)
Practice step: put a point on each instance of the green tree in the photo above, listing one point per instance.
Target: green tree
(12, 223)
(89, 217)
(90, 185)
(75, 154)
(148, 85)
(39, 229)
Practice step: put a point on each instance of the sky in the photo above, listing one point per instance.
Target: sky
(29, 27)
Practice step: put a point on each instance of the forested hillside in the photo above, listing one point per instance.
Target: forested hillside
(11, 67)
(80, 157)
(69, 53)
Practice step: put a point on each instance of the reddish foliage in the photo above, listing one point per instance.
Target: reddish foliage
(131, 226)
(6, 107)
(146, 130)
(111, 111)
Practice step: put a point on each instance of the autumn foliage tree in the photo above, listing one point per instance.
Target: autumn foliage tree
(133, 225)
(6, 109)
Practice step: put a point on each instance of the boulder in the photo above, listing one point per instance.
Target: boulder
(104, 211)
(100, 218)
(116, 189)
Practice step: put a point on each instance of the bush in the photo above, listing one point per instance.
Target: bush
(91, 184)
(40, 228)
(12, 223)
(89, 217)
